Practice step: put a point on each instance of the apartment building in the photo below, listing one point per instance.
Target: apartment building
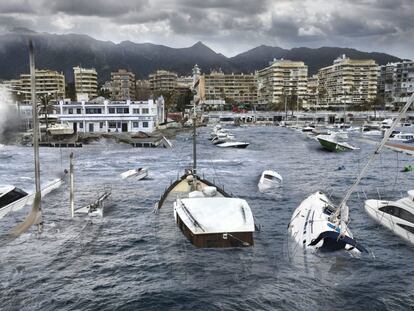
(283, 81)
(49, 83)
(86, 83)
(123, 85)
(240, 88)
(163, 81)
(112, 116)
(348, 82)
(396, 83)
(312, 101)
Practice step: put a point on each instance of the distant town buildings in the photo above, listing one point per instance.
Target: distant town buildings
(163, 81)
(312, 101)
(284, 82)
(49, 83)
(112, 116)
(348, 83)
(123, 85)
(86, 83)
(396, 83)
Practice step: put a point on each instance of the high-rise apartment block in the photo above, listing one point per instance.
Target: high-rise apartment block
(348, 82)
(283, 80)
(163, 81)
(48, 82)
(123, 85)
(396, 83)
(240, 88)
(86, 83)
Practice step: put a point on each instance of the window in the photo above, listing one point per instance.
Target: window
(398, 212)
(135, 124)
(135, 110)
(408, 228)
(12, 196)
(78, 111)
(70, 111)
(119, 110)
(93, 110)
(111, 110)
(112, 125)
(145, 124)
(101, 125)
(145, 111)
(81, 125)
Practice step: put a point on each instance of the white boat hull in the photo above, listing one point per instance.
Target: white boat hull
(136, 173)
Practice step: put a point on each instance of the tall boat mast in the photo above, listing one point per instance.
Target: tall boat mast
(194, 140)
(35, 118)
(342, 205)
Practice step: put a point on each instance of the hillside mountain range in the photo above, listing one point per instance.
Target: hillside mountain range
(61, 52)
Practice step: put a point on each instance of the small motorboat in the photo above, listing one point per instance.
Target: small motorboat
(331, 143)
(95, 209)
(397, 216)
(138, 173)
(269, 179)
(403, 138)
(233, 144)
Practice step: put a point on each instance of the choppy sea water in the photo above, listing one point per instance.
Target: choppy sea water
(134, 259)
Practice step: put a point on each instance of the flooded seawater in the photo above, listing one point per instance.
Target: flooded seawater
(135, 259)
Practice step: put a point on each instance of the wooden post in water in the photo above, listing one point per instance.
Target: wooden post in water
(35, 121)
(72, 194)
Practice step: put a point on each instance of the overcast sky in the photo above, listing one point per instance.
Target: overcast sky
(227, 26)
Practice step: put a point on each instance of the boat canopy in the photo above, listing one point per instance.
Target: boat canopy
(215, 215)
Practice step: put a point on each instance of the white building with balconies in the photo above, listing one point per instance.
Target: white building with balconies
(112, 116)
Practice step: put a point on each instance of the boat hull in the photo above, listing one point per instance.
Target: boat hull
(216, 240)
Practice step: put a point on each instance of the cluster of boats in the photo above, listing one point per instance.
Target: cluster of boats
(223, 139)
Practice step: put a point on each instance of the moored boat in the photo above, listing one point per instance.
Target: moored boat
(331, 143)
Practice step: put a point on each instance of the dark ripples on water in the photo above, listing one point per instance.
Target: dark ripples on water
(134, 259)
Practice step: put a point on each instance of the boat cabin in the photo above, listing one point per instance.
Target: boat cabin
(10, 194)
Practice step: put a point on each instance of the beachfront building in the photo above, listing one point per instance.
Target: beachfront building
(233, 88)
(163, 81)
(396, 83)
(283, 84)
(312, 100)
(103, 115)
(123, 85)
(50, 84)
(348, 83)
(86, 83)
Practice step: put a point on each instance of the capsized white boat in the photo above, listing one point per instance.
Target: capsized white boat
(312, 228)
(397, 216)
(269, 179)
(138, 173)
(233, 144)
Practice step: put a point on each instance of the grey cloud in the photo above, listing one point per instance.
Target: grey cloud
(104, 8)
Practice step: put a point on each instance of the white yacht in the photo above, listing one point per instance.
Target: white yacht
(233, 144)
(13, 199)
(269, 179)
(403, 138)
(138, 173)
(312, 228)
(397, 216)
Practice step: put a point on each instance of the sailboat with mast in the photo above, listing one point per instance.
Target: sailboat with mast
(205, 213)
(318, 224)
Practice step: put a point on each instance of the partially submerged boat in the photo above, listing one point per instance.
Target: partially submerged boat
(332, 143)
(269, 179)
(138, 173)
(206, 214)
(397, 216)
(311, 227)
